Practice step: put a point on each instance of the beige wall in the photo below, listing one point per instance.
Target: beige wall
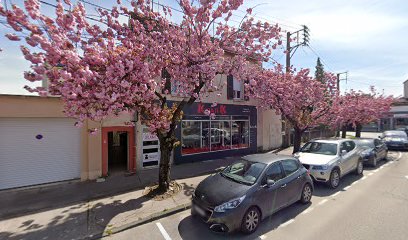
(270, 136)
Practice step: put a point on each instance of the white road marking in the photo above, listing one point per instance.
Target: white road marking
(376, 170)
(287, 223)
(406, 177)
(337, 193)
(371, 173)
(163, 231)
(347, 188)
(323, 202)
(399, 155)
(307, 211)
(355, 182)
(363, 178)
(262, 237)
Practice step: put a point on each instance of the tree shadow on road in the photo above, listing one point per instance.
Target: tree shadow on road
(194, 228)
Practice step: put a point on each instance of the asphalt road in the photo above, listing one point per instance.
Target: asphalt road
(374, 206)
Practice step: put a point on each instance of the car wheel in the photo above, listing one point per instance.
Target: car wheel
(360, 168)
(334, 180)
(385, 156)
(374, 164)
(306, 194)
(251, 220)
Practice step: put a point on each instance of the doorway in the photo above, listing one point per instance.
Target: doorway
(117, 151)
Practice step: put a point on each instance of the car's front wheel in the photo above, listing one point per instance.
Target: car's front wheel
(251, 220)
(334, 180)
(374, 163)
(306, 196)
(360, 167)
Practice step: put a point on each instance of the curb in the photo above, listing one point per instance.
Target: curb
(150, 218)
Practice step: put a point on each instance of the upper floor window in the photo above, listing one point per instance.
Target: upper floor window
(235, 88)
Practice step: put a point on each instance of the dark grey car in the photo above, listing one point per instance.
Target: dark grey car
(395, 140)
(254, 187)
(375, 150)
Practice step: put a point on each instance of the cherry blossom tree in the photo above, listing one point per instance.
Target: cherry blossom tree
(357, 108)
(103, 68)
(302, 100)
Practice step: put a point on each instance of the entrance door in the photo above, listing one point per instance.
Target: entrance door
(118, 150)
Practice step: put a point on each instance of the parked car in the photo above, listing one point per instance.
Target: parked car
(249, 190)
(405, 129)
(395, 139)
(330, 159)
(375, 150)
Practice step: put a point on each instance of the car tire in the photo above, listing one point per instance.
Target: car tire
(374, 163)
(334, 180)
(251, 220)
(306, 195)
(360, 168)
(385, 156)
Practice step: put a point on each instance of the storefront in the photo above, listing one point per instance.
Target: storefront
(233, 131)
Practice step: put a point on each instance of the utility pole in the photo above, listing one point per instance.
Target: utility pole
(290, 50)
(338, 90)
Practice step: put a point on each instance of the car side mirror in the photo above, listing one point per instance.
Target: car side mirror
(270, 182)
(343, 152)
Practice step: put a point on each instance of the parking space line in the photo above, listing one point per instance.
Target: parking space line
(337, 193)
(262, 237)
(163, 231)
(287, 223)
(376, 170)
(406, 177)
(371, 173)
(347, 188)
(355, 182)
(307, 211)
(363, 178)
(323, 202)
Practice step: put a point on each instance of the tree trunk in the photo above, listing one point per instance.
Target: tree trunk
(164, 167)
(358, 130)
(297, 139)
(343, 131)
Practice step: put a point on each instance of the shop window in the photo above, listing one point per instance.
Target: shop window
(192, 139)
(220, 135)
(240, 134)
(210, 136)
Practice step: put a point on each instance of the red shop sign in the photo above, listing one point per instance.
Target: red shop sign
(218, 110)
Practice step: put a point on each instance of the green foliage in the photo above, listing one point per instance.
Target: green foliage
(319, 73)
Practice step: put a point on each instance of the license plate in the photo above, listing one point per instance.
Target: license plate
(199, 210)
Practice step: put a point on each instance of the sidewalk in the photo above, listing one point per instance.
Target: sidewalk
(90, 210)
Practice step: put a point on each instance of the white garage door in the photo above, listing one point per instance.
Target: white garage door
(38, 150)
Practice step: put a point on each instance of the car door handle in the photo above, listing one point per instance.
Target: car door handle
(284, 185)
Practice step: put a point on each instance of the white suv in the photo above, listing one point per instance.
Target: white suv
(330, 159)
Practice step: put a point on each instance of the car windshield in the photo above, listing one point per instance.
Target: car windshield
(395, 135)
(365, 143)
(320, 148)
(243, 171)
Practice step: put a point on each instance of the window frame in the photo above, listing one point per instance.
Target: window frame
(265, 176)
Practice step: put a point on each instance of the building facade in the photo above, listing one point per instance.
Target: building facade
(39, 144)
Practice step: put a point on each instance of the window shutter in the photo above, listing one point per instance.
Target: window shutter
(167, 85)
(246, 96)
(230, 89)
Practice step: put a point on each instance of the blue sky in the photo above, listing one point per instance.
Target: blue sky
(367, 38)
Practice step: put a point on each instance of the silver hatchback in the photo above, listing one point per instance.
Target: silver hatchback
(330, 159)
